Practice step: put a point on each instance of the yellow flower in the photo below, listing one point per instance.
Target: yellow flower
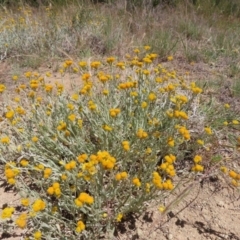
(147, 60)
(136, 50)
(141, 134)
(62, 126)
(225, 123)
(170, 158)
(78, 202)
(226, 105)
(114, 112)
(197, 159)
(15, 78)
(200, 142)
(157, 180)
(105, 92)
(25, 202)
(105, 215)
(47, 172)
(75, 96)
(107, 161)
(9, 114)
(7, 212)
(136, 182)
(183, 115)
(37, 235)
(72, 117)
(68, 63)
(48, 88)
(235, 122)
(152, 97)
(170, 142)
(85, 198)
(170, 58)
(2, 88)
(82, 158)
(24, 162)
(91, 105)
(235, 183)
(223, 169)
(121, 65)
(39, 167)
(63, 177)
(95, 64)
(48, 74)
(148, 150)
(147, 47)
(196, 90)
(80, 226)
(11, 181)
(121, 176)
(161, 209)
(5, 140)
(71, 165)
(125, 145)
(28, 74)
(50, 190)
(82, 64)
(233, 174)
(208, 130)
(38, 205)
(35, 139)
(107, 128)
(119, 217)
(134, 94)
(146, 72)
(21, 221)
(144, 105)
(198, 168)
(110, 59)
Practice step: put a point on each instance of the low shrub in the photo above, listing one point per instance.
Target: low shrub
(125, 135)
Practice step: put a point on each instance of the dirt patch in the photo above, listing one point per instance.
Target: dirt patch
(211, 211)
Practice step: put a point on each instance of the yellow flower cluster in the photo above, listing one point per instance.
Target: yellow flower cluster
(184, 132)
(80, 226)
(7, 212)
(38, 205)
(235, 178)
(47, 172)
(71, 165)
(11, 172)
(167, 166)
(84, 198)
(54, 189)
(136, 181)
(141, 134)
(121, 176)
(114, 112)
(125, 145)
(197, 167)
(92, 106)
(107, 161)
(82, 158)
(127, 85)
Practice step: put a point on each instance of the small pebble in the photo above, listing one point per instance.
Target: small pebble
(221, 204)
(170, 236)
